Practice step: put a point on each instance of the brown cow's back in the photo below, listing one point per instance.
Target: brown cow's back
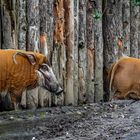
(15, 77)
(125, 78)
(12, 75)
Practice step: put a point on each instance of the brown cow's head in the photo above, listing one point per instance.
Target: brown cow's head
(48, 80)
(46, 77)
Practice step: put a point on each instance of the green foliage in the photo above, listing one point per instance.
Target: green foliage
(136, 2)
(42, 115)
(97, 15)
(30, 114)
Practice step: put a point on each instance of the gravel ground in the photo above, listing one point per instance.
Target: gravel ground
(104, 121)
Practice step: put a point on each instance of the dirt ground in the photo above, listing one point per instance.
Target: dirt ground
(104, 121)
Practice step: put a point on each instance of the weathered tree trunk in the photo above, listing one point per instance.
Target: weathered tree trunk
(98, 41)
(76, 29)
(33, 34)
(59, 70)
(46, 42)
(126, 26)
(1, 24)
(50, 27)
(43, 27)
(44, 98)
(47, 23)
(22, 24)
(43, 16)
(6, 26)
(90, 52)
(112, 30)
(69, 32)
(13, 16)
(139, 32)
(59, 57)
(32, 100)
(71, 37)
(134, 12)
(33, 31)
(82, 56)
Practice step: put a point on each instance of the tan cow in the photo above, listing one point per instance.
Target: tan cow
(21, 70)
(124, 79)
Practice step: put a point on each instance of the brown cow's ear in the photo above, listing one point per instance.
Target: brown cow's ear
(46, 61)
(31, 57)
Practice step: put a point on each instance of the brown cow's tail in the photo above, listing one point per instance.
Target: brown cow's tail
(111, 75)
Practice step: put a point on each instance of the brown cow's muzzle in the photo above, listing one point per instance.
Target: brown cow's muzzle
(59, 91)
(49, 80)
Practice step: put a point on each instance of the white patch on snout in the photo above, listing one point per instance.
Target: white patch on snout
(41, 79)
(49, 73)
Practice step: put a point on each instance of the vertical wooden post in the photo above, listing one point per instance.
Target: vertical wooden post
(134, 13)
(90, 52)
(0, 24)
(139, 34)
(76, 37)
(22, 25)
(33, 25)
(59, 56)
(112, 30)
(13, 23)
(50, 27)
(98, 41)
(6, 27)
(33, 34)
(82, 51)
(69, 31)
(126, 26)
(47, 22)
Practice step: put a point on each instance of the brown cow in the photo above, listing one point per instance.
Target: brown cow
(124, 78)
(20, 70)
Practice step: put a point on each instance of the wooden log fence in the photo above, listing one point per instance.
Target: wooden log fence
(81, 38)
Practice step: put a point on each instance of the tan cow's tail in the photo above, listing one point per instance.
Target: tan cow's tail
(112, 73)
(110, 79)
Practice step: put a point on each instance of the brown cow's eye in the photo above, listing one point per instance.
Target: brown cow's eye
(44, 67)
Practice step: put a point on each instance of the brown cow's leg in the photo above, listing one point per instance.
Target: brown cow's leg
(14, 103)
(133, 95)
(118, 95)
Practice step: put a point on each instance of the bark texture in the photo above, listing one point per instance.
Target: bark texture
(76, 37)
(112, 33)
(82, 51)
(81, 39)
(59, 56)
(22, 24)
(134, 15)
(90, 81)
(98, 42)
(69, 31)
(126, 26)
